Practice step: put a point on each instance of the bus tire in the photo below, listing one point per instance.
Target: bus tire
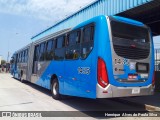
(21, 79)
(55, 90)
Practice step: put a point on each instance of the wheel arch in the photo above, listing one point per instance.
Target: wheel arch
(53, 76)
(58, 95)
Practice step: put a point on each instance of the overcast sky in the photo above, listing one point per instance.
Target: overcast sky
(22, 19)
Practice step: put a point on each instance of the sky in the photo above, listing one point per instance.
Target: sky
(22, 19)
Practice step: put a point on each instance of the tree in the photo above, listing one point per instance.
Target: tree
(3, 62)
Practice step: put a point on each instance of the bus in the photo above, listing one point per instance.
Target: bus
(103, 57)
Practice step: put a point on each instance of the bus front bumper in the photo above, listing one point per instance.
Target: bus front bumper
(112, 91)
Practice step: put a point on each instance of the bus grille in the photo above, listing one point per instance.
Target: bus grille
(131, 53)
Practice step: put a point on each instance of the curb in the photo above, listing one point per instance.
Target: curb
(146, 106)
(151, 108)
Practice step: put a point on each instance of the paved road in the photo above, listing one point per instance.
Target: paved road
(17, 96)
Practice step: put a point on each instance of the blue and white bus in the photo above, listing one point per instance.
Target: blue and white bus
(103, 57)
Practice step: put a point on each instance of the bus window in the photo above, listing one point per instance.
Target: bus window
(73, 45)
(42, 52)
(125, 35)
(23, 56)
(87, 41)
(50, 50)
(35, 61)
(36, 53)
(26, 55)
(20, 57)
(17, 57)
(60, 48)
(60, 42)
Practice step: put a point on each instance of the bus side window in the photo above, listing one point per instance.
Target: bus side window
(50, 49)
(35, 61)
(73, 46)
(17, 57)
(42, 52)
(60, 48)
(36, 53)
(26, 55)
(23, 56)
(87, 41)
(20, 56)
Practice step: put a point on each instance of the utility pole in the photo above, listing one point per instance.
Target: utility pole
(0, 59)
(8, 57)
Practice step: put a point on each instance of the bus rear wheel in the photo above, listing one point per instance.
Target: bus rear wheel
(55, 90)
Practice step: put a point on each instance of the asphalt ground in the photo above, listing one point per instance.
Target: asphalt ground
(17, 96)
(151, 102)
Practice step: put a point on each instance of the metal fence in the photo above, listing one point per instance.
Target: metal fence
(157, 59)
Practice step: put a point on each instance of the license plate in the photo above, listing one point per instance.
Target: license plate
(135, 90)
(132, 76)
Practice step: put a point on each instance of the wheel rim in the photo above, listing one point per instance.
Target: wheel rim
(55, 88)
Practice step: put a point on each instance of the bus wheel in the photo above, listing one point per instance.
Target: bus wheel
(21, 79)
(55, 90)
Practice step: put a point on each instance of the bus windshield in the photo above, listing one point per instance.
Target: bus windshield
(130, 32)
(130, 41)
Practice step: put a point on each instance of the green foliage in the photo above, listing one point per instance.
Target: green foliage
(3, 62)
